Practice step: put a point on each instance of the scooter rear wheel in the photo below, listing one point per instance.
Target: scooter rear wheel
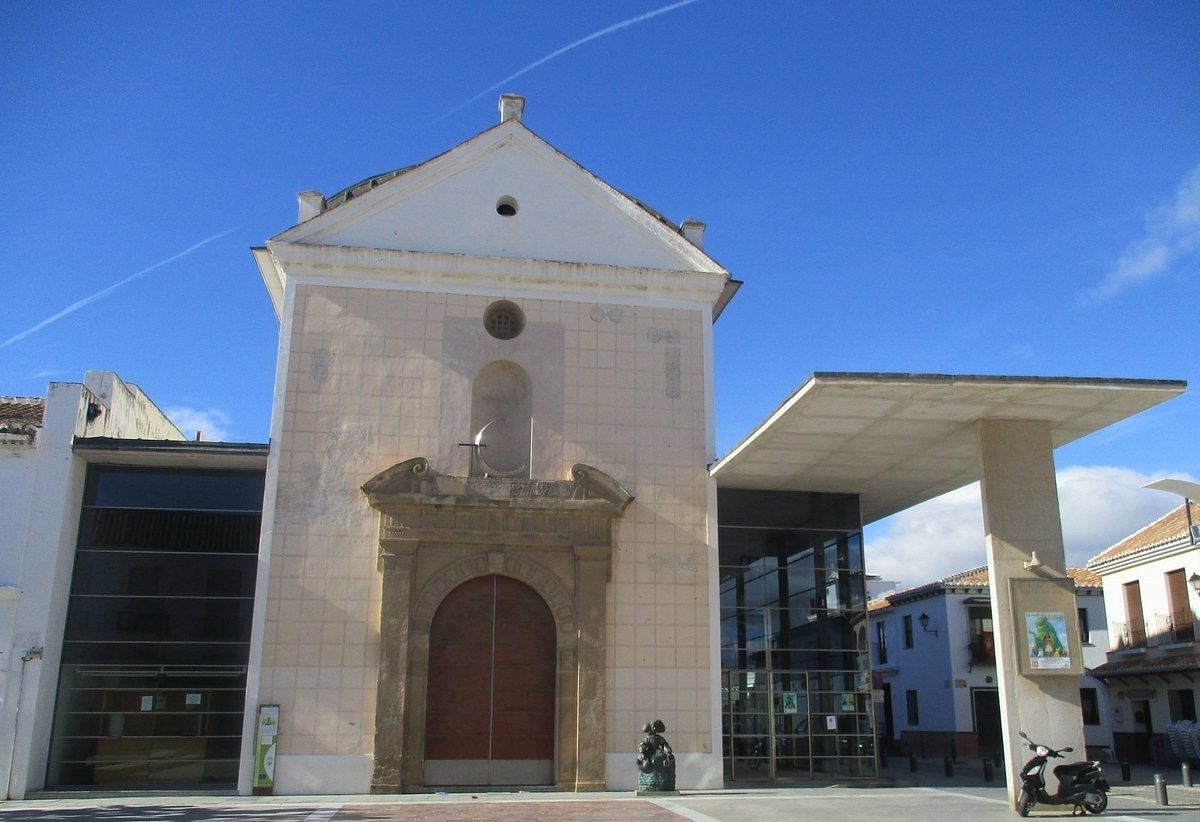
(1099, 805)
(1024, 800)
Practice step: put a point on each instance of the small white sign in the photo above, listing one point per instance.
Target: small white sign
(147, 703)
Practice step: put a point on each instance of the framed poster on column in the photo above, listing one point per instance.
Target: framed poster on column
(1046, 626)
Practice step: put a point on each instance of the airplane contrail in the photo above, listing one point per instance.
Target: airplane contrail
(73, 307)
(632, 21)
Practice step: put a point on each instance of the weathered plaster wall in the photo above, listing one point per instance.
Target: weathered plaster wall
(375, 377)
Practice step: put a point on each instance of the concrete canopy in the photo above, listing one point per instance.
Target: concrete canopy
(901, 439)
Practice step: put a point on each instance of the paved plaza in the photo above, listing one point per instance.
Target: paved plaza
(899, 796)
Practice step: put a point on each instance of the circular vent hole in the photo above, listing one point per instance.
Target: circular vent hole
(506, 206)
(504, 320)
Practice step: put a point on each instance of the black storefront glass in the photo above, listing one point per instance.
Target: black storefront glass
(796, 689)
(152, 685)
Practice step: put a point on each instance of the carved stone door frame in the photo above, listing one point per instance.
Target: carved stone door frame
(436, 532)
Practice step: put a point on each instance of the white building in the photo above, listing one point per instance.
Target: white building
(43, 481)
(933, 654)
(1152, 595)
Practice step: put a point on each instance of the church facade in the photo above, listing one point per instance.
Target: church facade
(488, 557)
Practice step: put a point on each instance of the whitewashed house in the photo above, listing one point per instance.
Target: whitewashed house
(1152, 595)
(934, 660)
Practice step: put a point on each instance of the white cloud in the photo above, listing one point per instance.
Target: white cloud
(1172, 232)
(1099, 506)
(213, 424)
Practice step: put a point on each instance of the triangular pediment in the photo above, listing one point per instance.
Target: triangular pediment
(451, 205)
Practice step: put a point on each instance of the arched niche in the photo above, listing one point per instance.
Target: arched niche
(501, 420)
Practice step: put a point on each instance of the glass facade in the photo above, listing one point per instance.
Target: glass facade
(796, 689)
(152, 685)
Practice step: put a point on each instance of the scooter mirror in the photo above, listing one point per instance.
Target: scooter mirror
(1066, 750)
(1023, 736)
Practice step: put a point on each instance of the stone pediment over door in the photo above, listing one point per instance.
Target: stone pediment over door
(418, 504)
(437, 532)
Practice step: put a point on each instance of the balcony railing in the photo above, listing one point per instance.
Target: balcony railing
(1164, 629)
(1128, 635)
(1174, 628)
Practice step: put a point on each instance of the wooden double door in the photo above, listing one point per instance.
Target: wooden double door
(490, 704)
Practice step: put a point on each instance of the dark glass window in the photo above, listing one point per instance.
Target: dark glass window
(1090, 706)
(794, 635)
(153, 676)
(914, 713)
(881, 642)
(908, 631)
(1085, 631)
(1181, 705)
(983, 639)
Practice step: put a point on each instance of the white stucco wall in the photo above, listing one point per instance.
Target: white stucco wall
(39, 516)
(939, 667)
(1149, 569)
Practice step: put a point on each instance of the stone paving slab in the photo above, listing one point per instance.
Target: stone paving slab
(486, 811)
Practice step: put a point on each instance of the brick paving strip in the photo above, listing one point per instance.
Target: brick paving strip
(467, 811)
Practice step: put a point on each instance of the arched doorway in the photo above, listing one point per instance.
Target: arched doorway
(437, 533)
(490, 703)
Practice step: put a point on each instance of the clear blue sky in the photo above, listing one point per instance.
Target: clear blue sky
(952, 187)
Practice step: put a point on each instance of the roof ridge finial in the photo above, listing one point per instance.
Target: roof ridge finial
(512, 106)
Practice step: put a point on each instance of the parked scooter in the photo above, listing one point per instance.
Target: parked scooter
(1079, 783)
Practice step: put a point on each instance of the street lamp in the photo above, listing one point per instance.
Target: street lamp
(1189, 491)
(1194, 581)
(924, 620)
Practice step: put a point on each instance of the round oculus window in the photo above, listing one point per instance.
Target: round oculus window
(504, 320)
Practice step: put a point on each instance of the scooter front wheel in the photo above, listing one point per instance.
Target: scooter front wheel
(1024, 800)
(1097, 805)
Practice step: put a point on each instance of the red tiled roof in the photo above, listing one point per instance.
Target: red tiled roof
(20, 413)
(1137, 667)
(1168, 528)
(975, 577)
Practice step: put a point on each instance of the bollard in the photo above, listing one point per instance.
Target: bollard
(1125, 777)
(949, 766)
(912, 762)
(1160, 790)
(989, 774)
(1186, 767)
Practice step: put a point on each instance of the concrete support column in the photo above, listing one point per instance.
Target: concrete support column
(591, 570)
(1021, 520)
(397, 557)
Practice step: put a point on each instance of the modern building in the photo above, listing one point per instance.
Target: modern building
(123, 654)
(495, 536)
(933, 654)
(1152, 594)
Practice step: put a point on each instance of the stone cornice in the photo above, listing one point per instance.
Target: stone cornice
(461, 273)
